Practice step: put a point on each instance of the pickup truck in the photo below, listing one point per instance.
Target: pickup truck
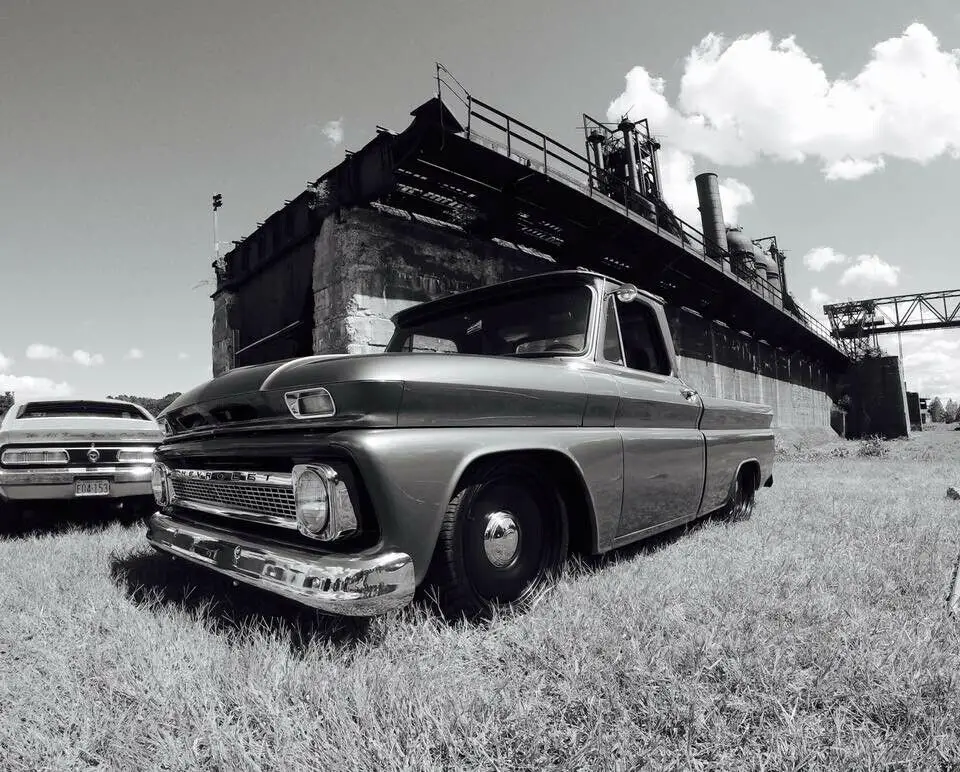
(501, 428)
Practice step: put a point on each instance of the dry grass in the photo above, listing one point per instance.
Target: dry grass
(814, 636)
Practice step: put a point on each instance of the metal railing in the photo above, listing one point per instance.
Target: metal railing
(534, 149)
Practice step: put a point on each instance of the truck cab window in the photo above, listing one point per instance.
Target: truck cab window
(642, 347)
(612, 351)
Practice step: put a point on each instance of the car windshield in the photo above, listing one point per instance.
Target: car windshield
(539, 323)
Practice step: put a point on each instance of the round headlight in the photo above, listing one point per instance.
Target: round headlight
(158, 482)
(312, 501)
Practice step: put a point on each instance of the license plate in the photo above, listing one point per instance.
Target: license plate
(91, 487)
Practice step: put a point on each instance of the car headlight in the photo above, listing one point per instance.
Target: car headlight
(312, 499)
(135, 456)
(26, 456)
(323, 505)
(310, 403)
(160, 483)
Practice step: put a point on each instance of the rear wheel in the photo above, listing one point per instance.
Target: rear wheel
(742, 496)
(503, 537)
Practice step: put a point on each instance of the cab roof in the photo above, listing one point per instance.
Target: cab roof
(565, 277)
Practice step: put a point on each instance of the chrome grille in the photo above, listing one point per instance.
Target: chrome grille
(264, 497)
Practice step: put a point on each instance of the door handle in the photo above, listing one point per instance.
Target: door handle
(687, 393)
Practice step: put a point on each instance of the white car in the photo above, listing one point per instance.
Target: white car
(70, 449)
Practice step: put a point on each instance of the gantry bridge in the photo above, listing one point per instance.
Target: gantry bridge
(857, 323)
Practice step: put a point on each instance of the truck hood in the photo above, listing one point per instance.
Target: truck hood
(398, 389)
(80, 429)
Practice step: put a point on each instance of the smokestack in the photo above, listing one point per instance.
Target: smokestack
(595, 139)
(711, 215)
(627, 128)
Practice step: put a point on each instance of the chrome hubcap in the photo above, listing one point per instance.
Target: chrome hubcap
(501, 539)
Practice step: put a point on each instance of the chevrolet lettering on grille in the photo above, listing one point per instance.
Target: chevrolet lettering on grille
(202, 474)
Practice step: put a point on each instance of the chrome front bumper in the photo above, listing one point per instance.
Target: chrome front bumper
(336, 584)
(58, 483)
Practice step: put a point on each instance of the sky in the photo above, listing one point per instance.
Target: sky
(836, 129)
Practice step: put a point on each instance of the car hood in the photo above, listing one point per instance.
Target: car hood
(80, 429)
(399, 389)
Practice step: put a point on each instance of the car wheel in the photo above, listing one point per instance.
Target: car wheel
(742, 497)
(503, 537)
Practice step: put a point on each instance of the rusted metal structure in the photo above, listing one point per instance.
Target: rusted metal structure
(471, 166)
(857, 323)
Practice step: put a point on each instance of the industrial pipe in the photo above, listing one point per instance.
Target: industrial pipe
(627, 128)
(711, 215)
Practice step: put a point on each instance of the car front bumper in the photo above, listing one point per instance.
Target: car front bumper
(59, 483)
(347, 585)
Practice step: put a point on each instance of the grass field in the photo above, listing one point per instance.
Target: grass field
(813, 636)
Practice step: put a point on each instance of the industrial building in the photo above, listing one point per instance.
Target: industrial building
(468, 195)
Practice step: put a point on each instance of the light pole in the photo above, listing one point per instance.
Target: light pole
(217, 203)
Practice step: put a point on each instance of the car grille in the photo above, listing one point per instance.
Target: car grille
(264, 497)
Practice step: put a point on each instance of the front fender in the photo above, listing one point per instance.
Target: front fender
(411, 475)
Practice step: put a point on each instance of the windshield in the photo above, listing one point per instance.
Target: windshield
(539, 323)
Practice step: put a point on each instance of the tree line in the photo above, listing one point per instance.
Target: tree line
(943, 414)
(155, 405)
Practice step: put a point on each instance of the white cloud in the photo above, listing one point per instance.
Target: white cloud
(852, 168)
(870, 269)
(183, 355)
(43, 351)
(5, 362)
(753, 97)
(87, 359)
(333, 131)
(819, 258)
(28, 386)
(135, 353)
(819, 298)
(931, 362)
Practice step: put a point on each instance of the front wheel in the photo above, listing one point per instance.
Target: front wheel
(503, 537)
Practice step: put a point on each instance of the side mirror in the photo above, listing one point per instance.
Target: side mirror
(626, 293)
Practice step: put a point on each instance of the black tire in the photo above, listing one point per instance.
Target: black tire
(743, 496)
(467, 579)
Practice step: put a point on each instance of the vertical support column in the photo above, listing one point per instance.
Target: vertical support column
(224, 331)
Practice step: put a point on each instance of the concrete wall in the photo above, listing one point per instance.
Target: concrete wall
(721, 362)
(224, 325)
(367, 266)
(878, 398)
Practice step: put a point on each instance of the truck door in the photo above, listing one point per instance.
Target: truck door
(658, 419)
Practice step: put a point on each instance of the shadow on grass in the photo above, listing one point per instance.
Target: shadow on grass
(150, 579)
(52, 518)
(581, 564)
